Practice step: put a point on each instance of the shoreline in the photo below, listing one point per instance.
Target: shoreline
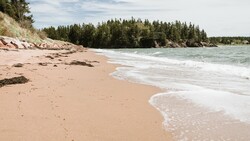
(76, 103)
(194, 106)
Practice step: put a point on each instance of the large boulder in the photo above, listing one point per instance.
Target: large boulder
(212, 45)
(3, 41)
(26, 45)
(17, 44)
(172, 44)
(156, 44)
(56, 46)
(193, 43)
(7, 42)
(33, 45)
(183, 45)
(1, 44)
(11, 46)
(205, 44)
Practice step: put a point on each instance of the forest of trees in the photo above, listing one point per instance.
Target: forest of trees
(128, 34)
(18, 10)
(230, 40)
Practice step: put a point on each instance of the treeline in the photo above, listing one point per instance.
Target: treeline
(230, 40)
(18, 10)
(128, 34)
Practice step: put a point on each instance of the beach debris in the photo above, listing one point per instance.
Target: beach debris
(81, 63)
(14, 80)
(50, 57)
(43, 64)
(57, 55)
(69, 52)
(55, 66)
(18, 65)
(92, 61)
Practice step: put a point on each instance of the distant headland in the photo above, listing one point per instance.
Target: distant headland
(133, 33)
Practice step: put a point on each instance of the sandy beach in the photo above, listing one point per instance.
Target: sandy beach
(63, 102)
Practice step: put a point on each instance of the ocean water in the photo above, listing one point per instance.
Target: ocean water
(205, 91)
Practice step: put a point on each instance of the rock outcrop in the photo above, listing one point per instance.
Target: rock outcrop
(188, 43)
(13, 43)
(193, 43)
(7, 42)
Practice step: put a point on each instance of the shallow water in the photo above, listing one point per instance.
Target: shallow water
(206, 90)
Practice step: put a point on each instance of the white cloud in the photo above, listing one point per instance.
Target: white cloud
(217, 17)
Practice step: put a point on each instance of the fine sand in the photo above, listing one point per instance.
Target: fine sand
(63, 102)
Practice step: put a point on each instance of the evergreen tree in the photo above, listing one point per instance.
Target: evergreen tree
(203, 35)
(102, 37)
(74, 33)
(184, 31)
(52, 33)
(63, 33)
(87, 35)
(191, 32)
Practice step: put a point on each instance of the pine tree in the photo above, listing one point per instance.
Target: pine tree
(203, 36)
(19, 10)
(74, 33)
(52, 33)
(87, 35)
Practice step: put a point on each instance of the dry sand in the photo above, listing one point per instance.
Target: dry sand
(74, 103)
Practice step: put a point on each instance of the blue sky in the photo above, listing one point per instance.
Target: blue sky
(217, 17)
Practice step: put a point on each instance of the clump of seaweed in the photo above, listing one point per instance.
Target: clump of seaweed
(50, 57)
(92, 61)
(69, 52)
(13, 81)
(43, 64)
(80, 63)
(18, 65)
(57, 55)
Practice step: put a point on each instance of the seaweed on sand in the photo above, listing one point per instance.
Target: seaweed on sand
(13, 81)
(18, 65)
(43, 64)
(50, 57)
(81, 63)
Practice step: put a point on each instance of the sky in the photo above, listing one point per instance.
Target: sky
(216, 17)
